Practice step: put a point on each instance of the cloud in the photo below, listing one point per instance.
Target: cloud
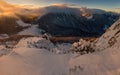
(63, 5)
(7, 9)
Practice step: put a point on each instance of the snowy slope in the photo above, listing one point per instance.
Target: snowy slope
(21, 23)
(104, 63)
(41, 43)
(32, 57)
(32, 30)
(110, 37)
(32, 61)
(101, 63)
(38, 56)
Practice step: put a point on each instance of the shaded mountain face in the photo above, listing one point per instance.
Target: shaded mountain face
(70, 24)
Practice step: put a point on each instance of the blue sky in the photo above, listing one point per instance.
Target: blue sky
(86, 3)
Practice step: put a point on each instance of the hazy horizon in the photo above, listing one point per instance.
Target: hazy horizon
(102, 4)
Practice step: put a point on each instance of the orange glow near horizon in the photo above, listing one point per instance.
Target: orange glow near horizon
(7, 9)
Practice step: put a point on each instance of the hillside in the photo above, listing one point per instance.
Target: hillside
(71, 24)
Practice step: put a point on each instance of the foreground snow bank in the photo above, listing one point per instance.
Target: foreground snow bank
(38, 56)
(100, 63)
(31, 56)
(32, 61)
(26, 60)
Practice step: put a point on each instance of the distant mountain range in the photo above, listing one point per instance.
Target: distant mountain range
(56, 20)
(117, 10)
(84, 22)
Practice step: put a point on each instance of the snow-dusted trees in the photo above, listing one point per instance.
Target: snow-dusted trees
(82, 47)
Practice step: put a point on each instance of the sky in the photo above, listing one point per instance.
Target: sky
(77, 3)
